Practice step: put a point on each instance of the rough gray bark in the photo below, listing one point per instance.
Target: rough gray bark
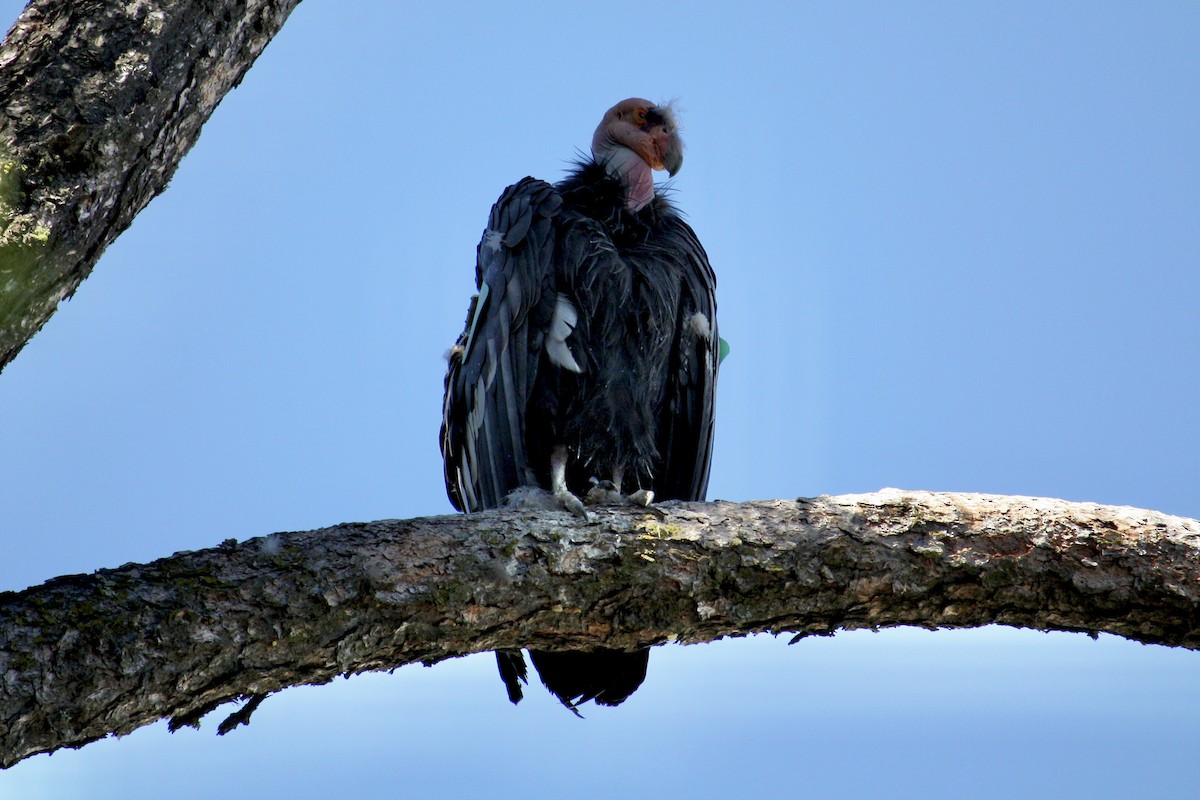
(99, 101)
(84, 656)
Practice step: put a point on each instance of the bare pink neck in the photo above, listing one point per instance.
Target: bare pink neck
(633, 173)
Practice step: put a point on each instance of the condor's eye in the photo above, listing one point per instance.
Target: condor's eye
(639, 116)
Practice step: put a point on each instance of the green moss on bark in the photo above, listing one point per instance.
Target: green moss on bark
(23, 245)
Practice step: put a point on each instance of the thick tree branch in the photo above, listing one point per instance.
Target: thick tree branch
(99, 101)
(87, 655)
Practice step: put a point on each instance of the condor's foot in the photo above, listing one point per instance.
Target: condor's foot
(602, 493)
(571, 503)
(534, 498)
(558, 483)
(607, 493)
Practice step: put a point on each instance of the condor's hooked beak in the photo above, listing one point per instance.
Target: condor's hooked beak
(646, 129)
(672, 155)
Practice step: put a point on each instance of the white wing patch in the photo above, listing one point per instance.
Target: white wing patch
(562, 325)
(493, 239)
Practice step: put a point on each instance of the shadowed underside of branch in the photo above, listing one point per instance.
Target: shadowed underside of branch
(85, 656)
(99, 101)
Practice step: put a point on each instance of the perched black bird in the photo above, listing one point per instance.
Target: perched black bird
(590, 355)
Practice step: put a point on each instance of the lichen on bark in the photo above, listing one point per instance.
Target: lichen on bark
(23, 244)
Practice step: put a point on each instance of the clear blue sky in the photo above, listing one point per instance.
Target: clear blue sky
(958, 248)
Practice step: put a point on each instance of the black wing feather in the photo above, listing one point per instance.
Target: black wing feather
(494, 364)
(685, 433)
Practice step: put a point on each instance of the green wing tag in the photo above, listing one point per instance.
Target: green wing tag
(722, 350)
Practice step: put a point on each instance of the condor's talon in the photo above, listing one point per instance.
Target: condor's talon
(573, 504)
(642, 497)
(558, 482)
